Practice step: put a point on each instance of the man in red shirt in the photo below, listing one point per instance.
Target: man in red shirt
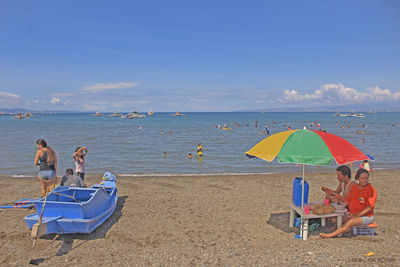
(361, 201)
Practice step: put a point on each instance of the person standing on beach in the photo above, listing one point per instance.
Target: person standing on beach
(79, 160)
(46, 159)
(365, 165)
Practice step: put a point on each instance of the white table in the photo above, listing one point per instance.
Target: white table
(297, 209)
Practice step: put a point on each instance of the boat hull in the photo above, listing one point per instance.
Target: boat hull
(75, 210)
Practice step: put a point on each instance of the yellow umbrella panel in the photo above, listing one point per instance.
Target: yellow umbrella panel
(274, 144)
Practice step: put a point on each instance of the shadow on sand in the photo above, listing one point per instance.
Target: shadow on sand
(281, 222)
(68, 239)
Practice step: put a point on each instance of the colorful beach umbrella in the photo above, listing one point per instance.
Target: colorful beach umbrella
(308, 147)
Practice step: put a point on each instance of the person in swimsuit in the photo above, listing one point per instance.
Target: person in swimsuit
(343, 174)
(199, 150)
(46, 159)
(79, 160)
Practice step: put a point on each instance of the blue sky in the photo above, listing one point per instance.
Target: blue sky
(199, 55)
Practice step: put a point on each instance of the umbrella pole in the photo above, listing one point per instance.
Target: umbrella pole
(302, 204)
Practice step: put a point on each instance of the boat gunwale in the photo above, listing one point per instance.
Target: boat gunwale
(96, 190)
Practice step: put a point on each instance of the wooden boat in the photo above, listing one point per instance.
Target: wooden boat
(74, 209)
(178, 114)
(22, 116)
(135, 115)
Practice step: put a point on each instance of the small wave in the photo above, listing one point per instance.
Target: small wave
(21, 176)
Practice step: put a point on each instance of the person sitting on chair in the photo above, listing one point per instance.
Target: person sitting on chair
(343, 174)
(361, 201)
(71, 179)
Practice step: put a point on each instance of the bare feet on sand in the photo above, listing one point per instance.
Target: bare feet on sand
(323, 235)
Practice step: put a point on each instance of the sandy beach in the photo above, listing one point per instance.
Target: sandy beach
(203, 221)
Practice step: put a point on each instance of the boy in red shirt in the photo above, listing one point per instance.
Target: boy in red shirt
(361, 202)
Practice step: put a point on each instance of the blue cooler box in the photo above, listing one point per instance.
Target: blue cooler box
(296, 197)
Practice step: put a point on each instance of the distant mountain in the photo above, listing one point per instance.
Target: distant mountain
(23, 110)
(15, 110)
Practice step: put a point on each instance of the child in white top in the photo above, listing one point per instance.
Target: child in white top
(79, 160)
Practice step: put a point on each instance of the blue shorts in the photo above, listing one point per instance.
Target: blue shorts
(47, 175)
(367, 220)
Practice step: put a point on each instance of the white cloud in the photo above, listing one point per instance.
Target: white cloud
(339, 91)
(294, 96)
(57, 100)
(65, 94)
(100, 87)
(9, 98)
(332, 93)
(122, 104)
(97, 106)
(381, 95)
(197, 100)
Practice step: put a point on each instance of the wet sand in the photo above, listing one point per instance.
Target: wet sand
(205, 220)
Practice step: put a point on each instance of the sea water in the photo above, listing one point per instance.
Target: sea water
(160, 144)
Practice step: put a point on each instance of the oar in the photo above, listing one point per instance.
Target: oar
(35, 228)
(40, 219)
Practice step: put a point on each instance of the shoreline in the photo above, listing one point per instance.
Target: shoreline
(166, 175)
(213, 220)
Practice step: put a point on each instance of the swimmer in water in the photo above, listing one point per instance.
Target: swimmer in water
(199, 150)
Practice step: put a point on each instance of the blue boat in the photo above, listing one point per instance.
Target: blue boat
(70, 210)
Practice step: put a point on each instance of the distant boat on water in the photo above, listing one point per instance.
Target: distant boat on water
(98, 114)
(359, 115)
(178, 114)
(23, 116)
(19, 117)
(150, 112)
(134, 115)
(116, 114)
